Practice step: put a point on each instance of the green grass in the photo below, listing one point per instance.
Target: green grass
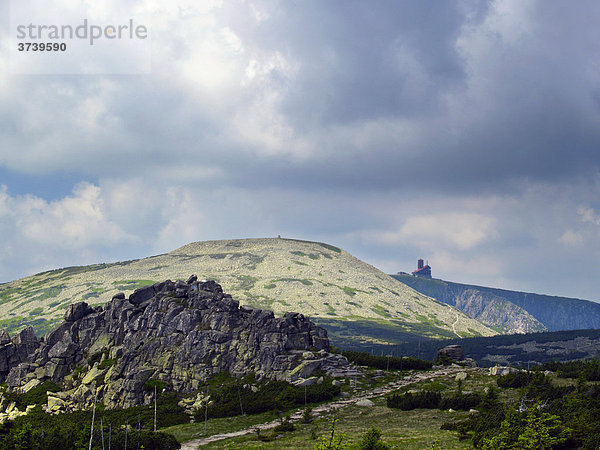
(246, 282)
(40, 325)
(43, 294)
(125, 285)
(11, 324)
(474, 333)
(378, 309)
(189, 431)
(330, 309)
(303, 281)
(330, 247)
(349, 291)
(416, 429)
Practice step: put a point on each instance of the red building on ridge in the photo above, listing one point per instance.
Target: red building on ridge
(423, 271)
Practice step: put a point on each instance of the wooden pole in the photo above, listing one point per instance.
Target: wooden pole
(93, 417)
(102, 432)
(305, 396)
(241, 407)
(206, 409)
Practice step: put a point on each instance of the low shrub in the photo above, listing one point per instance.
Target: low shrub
(385, 362)
(231, 396)
(464, 402)
(409, 401)
(36, 396)
(515, 380)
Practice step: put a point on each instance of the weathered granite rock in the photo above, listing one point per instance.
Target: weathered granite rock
(305, 381)
(77, 311)
(30, 385)
(502, 370)
(4, 338)
(56, 404)
(365, 402)
(16, 351)
(178, 332)
(461, 376)
(454, 352)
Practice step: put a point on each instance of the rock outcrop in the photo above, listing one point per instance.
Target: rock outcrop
(454, 352)
(178, 332)
(16, 350)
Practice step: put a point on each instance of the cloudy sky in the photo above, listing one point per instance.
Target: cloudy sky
(463, 132)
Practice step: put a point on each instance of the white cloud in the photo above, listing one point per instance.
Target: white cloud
(461, 267)
(461, 230)
(588, 215)
(571, 238)
(36, 234)
(74, 222)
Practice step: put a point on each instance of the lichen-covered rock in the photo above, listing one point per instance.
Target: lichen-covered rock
(454, 352)
(178, 332)
(365, 402)
(30, 385)
(17, 350)
(56, 404)
(502, 370)
(461, 376)
(77, 311)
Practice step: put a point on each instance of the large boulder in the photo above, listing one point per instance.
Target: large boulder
(4, 338)
(454, 352)
(77, 311)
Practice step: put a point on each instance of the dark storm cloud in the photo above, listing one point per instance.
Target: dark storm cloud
(465, 98)
(357, 60)
(492, 99)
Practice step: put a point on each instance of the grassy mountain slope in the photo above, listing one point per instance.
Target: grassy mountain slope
(510, 311)
(316, 279)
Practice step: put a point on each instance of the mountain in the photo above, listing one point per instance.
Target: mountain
(319, 280)
(510, 311)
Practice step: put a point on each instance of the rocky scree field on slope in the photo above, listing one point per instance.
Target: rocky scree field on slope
(282, 275)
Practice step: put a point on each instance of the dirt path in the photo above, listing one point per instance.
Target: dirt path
(454, 326)
(327, 407)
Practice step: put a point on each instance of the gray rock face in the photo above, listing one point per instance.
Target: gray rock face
(77, 311)
(16, 351)
(454, 352)
(180, 333)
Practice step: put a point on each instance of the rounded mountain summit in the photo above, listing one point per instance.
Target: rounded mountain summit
(324, 282)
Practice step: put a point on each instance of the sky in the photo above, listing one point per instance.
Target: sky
(463, 132)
